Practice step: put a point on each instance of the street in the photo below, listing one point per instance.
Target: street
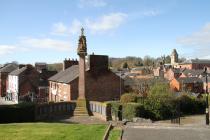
(155, 132)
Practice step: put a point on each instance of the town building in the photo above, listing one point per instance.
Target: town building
(195, 64)
(172, 73)
(39, 66)
(174, 58)
(101, 83)
(4, 71)
(23, 83)
(187, 84)
(43, 86)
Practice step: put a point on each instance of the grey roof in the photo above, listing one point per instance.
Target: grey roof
(193, 72)
(18, 71)
(67, 75)
(177, 70)
(197, 61)
(9, 68)
(187, 80)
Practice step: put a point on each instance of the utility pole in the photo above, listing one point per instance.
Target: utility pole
(207, 97)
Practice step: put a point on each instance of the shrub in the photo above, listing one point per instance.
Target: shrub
(116, 108)
(128, 97)
(24, 112)
(131, 110)
(190, 105)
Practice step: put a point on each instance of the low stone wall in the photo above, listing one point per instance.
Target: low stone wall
(101, 110)
(50, 110)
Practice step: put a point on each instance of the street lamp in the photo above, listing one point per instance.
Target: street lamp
(207, 97)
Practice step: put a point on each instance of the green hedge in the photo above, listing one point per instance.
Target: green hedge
(17, 113)
(128, 97)
(159, 108)
(190, 105)
(131, 110)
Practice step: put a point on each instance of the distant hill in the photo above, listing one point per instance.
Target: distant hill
(55, 66)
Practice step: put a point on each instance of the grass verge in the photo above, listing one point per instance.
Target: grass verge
(51, 131)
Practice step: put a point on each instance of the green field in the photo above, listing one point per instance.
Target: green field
(51, 131)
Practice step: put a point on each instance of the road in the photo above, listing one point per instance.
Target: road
(155, 132)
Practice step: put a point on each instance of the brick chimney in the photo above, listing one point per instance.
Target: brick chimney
(68, 63)
(98, 64)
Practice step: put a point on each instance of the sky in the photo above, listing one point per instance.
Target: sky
(48, 30)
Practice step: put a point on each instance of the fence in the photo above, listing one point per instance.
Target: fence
(101, 110)
(50, 110)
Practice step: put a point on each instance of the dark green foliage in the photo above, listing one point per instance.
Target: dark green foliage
(17, 113)
(125, 65)
(115, 108)
(131, 110)
(128, 97)
(190, 105)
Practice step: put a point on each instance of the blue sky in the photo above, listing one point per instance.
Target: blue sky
(47, 30)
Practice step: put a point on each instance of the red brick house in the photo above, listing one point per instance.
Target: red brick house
(189, 84)
(4, 71)
(22, 83)
(43, 85)
(172, 73)
(101, 83)
(195, 64)
(192, 73)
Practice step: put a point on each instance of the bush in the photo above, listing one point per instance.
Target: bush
(131, 110)
(128, 97)
(190, 105)
(116, 108)
(24, 112)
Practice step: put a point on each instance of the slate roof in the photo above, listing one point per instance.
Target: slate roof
(9, 68)
(18, 71)
(67, 75)
(177, 70)
(193, 72)
(197, 61)
(188, 80)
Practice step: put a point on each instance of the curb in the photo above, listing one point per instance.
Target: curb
(106, 135)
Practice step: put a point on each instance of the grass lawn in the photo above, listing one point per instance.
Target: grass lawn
(115, 134)
(51, 131)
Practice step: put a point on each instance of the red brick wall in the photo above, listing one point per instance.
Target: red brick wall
(25, 88)
(3, 83)
(104, 87)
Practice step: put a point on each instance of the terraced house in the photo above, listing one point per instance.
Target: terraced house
(4, 71)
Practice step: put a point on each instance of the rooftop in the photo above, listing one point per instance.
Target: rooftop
(188, 80)
(9, 68)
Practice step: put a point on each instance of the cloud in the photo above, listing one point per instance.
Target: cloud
(45, 43)
(102, 24)
(59, 29)
(64, 30)
(91, 3)
(7, 49)
(150, 13)
(199, 41)
(75, 27)
(106, 22)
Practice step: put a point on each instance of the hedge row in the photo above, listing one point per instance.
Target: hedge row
(17, 113)
(158, 109)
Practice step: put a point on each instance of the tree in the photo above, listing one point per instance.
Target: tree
(125, 65)
(148, 61)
